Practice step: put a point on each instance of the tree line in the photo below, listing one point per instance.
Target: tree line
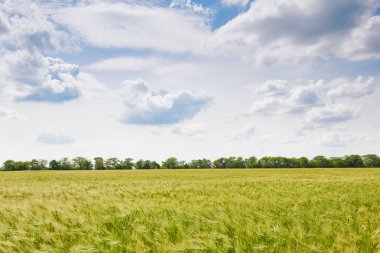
(98, 163)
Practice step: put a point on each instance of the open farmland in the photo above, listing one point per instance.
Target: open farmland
(283, 210)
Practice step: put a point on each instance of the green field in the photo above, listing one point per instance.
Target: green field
(283, 210)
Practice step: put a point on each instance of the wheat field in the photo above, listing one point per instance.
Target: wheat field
(280, 210)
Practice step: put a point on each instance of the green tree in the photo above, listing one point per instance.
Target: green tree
(54, 165)
(16, 165)
(320, 162)
(337, 162)
(252, 162)
(171, 163)
(9, 165)
(65, 164)
(81, 163)
(353, 161)
(371, 161)
(127, 164)
(200, 164)
(146, 164)
(220, 163)
(303, 162)
(99, 163)
(112, 163)
(38, 164)
(235, 162)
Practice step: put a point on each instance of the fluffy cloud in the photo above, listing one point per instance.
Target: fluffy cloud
(241, 3)
(274, 31)
(155, 108)
(344, 87)
(136, 26)
(6, 113)
(273, 87)
(329, 114)
(319, 102)
(34, 77)
(27, 36)
(266, 106)
(363, 44)
(280, 98)
(54, 139)
(25, 25)
(189, 5)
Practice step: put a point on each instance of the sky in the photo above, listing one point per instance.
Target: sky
(190, 79)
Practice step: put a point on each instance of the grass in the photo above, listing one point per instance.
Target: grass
(283, 210)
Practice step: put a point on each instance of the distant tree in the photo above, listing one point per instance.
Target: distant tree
(38, 164)
(183, 165)
(275, 162)
(353, 161)
(266, 162)
(337, 162)
(220, 163)
(9, 165)
(99, 163)
(127, 164)
(139, 164)
(303, 162)
(65, 164)
(371, 161)
(320, 162)
(252, 162)
(81, 163)
(146, 164)
(235, 162)
(154, 165)
(200, 164)
(171, 163)
(54, 165)
(112, 163)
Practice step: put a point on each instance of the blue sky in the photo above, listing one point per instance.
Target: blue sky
(192, 79)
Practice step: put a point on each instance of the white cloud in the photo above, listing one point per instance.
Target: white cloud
(292, 31)
(364, 41)
(267, 106)
(240, 3)
(161, 107)
(54, 139)
(329, 114)
(321, 104)
(191, 129)
(281, 98)
(316, 100)
(189, 5)
(33, 77)
(27, 26)
(6, 113)
(273, 87)
(118, 25)
(344, 87)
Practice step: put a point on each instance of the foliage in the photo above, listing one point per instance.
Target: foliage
(81, 163)
(147, 164)
(371, 161)
(200, 164)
